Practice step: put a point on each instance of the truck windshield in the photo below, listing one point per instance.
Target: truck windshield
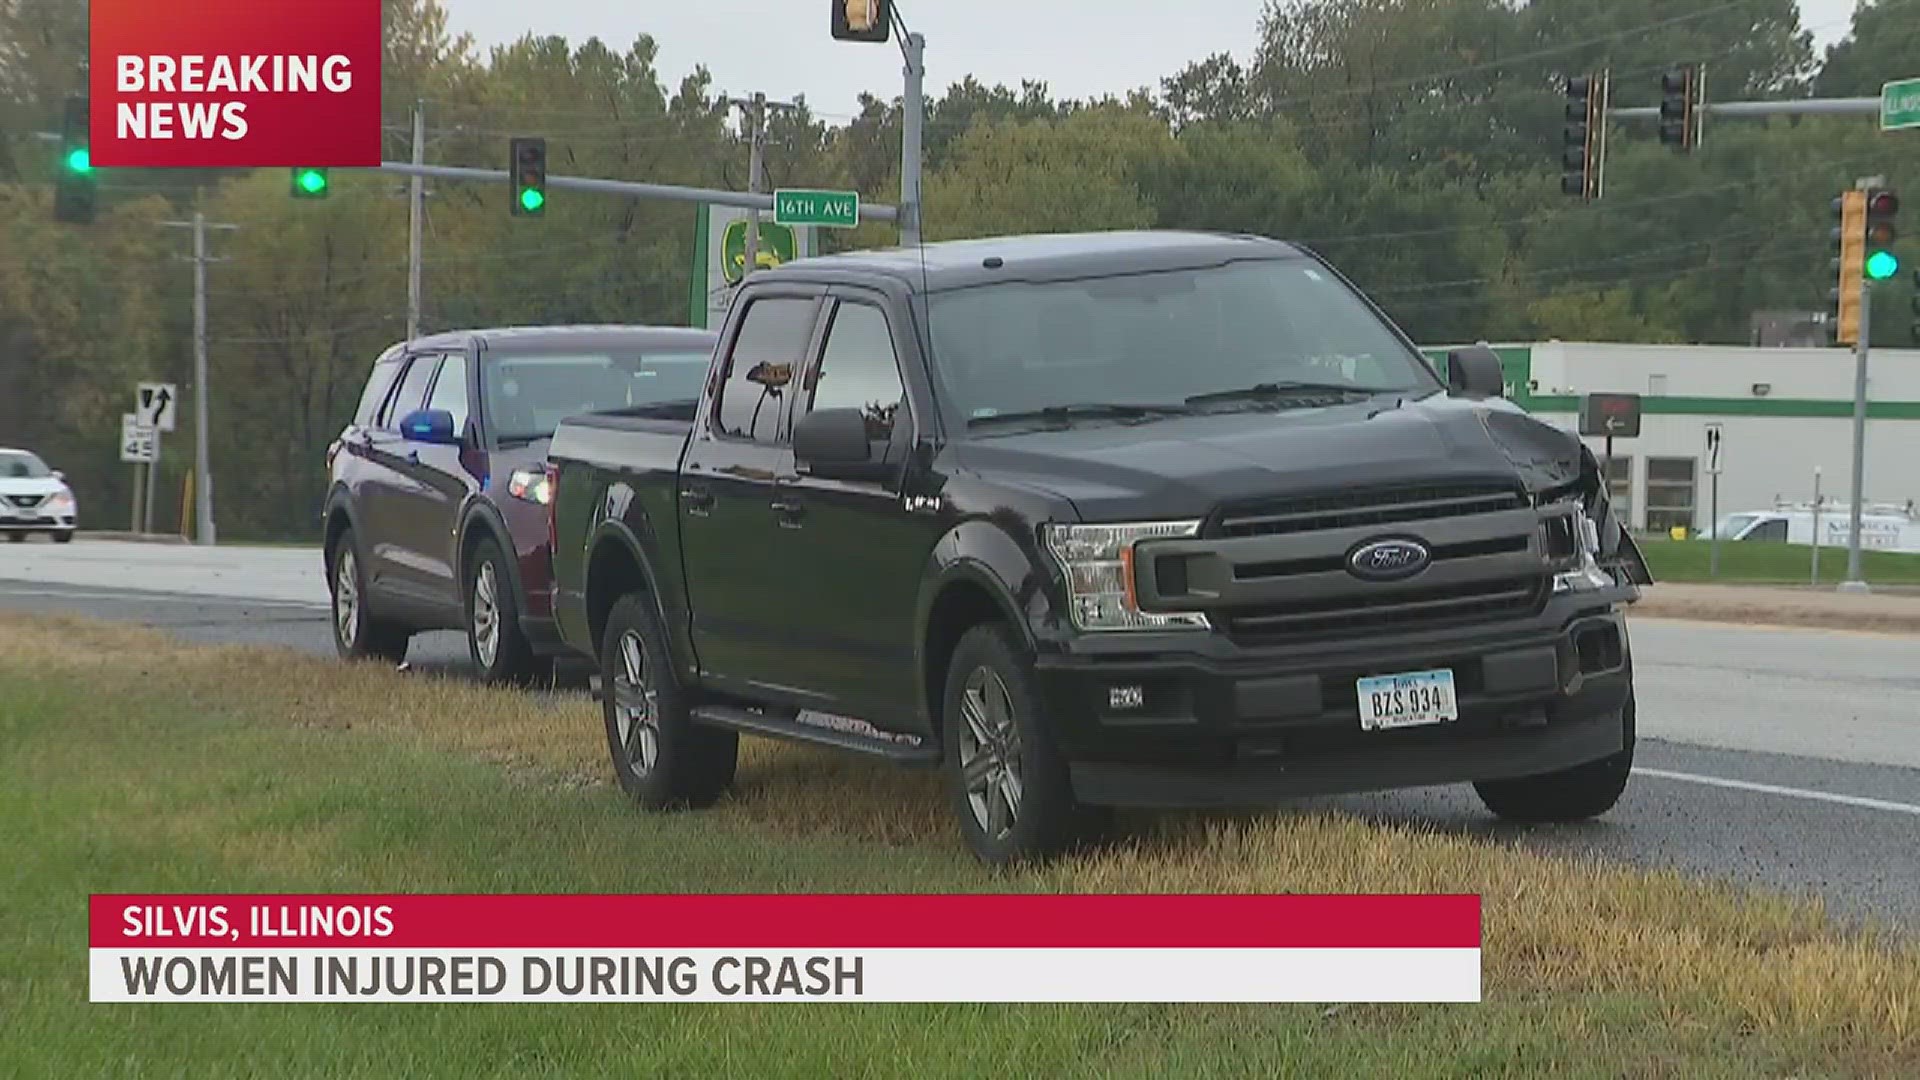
(527, 396)
(20, 465)
(1164, 337)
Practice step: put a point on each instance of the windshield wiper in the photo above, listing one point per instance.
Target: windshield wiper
(1272, 391)
(1098, 410)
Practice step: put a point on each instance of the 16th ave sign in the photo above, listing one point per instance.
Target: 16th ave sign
(832, 209)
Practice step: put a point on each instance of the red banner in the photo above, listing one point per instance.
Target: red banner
(234, 83)
(807, 921)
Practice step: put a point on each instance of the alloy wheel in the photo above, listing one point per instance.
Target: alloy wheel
(486, 615)
(346, 599)
(636, 710)
(990, 754)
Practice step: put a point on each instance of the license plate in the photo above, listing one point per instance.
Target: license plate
(1412, 699)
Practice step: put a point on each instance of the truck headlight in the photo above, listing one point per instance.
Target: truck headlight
(1098, 563)
(531, 485)
(1586, 575)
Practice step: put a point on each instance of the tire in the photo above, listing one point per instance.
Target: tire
(357, 634)
(499, 649)
(1576, 794)
(1007, 783)
(65, 536)
(662, 758)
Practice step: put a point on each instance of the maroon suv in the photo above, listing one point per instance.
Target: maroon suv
(436, 514)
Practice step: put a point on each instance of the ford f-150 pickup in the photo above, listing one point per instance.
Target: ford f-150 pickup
(1161, 519)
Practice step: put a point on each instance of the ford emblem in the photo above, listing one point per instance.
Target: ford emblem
(1388, 560)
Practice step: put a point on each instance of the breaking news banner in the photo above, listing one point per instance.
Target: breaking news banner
(234, 83)
(879, 948)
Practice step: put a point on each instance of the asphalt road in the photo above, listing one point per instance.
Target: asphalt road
(1775, 757)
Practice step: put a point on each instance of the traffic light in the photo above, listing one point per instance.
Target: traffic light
(1679, 107)
(1578, 176)
(76, 185)
(862, 20)
(1881, 263)
(308, 183)
(529, 177)
(1849, 243)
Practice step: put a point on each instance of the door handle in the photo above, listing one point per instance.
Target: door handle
(699, 500)
(790, 513)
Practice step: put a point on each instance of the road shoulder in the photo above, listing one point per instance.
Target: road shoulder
(1822, 607)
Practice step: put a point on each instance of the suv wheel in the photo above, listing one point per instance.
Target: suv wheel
(663, 759)
(1576, 794)
(1006, 781)
(357, 634)
(494, 640)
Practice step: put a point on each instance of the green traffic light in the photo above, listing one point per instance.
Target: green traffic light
(312, 182)
(1882, 265)
(531, 199)
(79, 160)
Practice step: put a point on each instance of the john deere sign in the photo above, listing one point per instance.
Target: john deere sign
(720, 256)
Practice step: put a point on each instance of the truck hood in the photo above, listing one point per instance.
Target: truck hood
(1186, 467)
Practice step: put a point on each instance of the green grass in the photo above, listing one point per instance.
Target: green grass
(138, 765)
(1755, 562)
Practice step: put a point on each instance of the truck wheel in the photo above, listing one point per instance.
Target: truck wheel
(1576, 794)
(494, 640)
(1006, 780)
(664, 760)
(357, 634)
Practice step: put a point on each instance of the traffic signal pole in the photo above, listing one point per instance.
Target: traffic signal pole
(416, 211)
(1869, 106)
(746, 200)
(1854, 581)
(913, 48)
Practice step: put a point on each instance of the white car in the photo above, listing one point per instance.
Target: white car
(34, 499)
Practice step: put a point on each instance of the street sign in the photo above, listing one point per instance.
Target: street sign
(156, 405)
(1900, 105)
(139, 442)
(1713, 449)
(1617, 416)
(832, 209)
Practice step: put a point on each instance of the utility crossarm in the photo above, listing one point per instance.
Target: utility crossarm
(745, 200)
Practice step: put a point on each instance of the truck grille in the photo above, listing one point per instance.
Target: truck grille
(1275, 571)
(1385, 506)
(1415, 609)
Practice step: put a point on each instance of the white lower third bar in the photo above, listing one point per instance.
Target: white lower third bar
(879, 975)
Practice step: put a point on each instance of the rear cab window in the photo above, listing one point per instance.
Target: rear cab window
(526, 395)
(767, 352)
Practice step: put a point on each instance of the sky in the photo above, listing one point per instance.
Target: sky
(1081, 48)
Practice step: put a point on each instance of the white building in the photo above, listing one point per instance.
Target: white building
(1783, 413)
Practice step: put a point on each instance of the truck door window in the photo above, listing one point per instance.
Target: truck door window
(413, 391)
(773, 337)
(450, 390)
(1775, 531)
(859, 370)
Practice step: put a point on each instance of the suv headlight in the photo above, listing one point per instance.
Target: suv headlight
(1098, 563)
(1586, 575)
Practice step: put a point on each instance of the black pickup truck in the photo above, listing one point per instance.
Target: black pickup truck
(1162, 519)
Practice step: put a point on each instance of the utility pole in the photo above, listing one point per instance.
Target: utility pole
(203, 532)
(913, 47)
(416, 212)
(756, 108)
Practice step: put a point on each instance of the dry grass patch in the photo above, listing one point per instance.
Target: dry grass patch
(1553, 926)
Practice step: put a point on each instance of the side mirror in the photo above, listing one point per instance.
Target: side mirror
(58, 475)
(834, 442)
(430, 426)
(1475, 372)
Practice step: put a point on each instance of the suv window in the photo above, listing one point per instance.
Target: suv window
(413, 391)
(859, 369)
(771, 343)
(450, 390)
(378, 383)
